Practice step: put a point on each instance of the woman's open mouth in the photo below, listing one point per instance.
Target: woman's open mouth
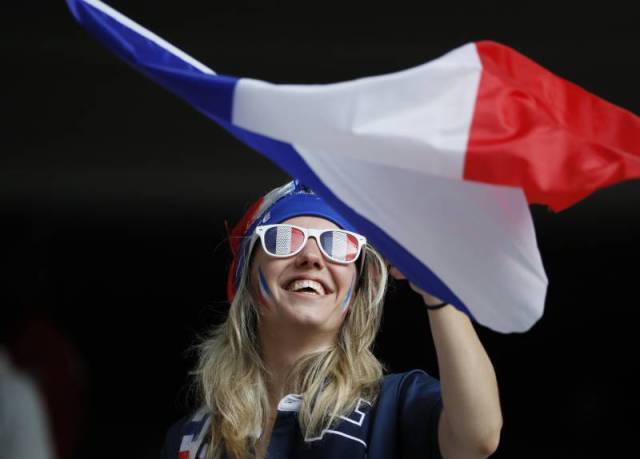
(306, 287)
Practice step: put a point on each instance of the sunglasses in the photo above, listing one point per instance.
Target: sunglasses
(337, 245)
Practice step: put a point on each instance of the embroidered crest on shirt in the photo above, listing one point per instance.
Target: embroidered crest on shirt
(349, 428)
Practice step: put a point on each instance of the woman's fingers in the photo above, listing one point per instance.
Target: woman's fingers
(395, 273)
(428, 298)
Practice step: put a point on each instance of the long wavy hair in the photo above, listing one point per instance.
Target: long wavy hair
(231, 379)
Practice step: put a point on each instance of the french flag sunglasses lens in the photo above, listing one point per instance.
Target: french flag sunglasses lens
(286, 240)
(339, 245)
(283, 240)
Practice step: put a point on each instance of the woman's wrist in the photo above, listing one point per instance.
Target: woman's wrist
(432, 302)
(436, 306)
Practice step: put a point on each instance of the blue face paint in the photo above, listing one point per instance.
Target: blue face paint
(265, 293)
(347, 298)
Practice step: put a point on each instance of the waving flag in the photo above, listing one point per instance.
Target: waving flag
(436, 164)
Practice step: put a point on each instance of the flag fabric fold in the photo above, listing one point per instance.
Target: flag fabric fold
(436, 164)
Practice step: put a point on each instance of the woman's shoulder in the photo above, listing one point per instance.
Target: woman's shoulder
(407, 414)
(186, 434)
(400, 391)
(172, 439)
(412, 378)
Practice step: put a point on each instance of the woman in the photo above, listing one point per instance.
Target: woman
(290, 373)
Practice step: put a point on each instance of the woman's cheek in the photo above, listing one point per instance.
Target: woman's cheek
(264, 293)
(347, 298)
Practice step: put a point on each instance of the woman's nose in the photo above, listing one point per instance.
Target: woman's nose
(310, 254)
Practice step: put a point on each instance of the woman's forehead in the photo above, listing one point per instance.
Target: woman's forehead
(309, 221)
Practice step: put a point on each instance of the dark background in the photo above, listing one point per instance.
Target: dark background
(113, 195)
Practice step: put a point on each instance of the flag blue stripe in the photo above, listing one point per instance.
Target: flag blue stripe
(212, 95)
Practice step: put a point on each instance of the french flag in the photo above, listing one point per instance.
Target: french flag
(436, 165)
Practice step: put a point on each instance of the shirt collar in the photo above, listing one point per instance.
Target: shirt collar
(290, 402)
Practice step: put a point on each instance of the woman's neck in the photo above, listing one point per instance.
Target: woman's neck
(280, 352)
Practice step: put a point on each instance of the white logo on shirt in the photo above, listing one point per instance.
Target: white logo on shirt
(358, 411)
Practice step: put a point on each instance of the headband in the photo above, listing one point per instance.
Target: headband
(290, 200)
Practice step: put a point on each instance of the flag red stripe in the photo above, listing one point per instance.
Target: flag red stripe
(538, 131)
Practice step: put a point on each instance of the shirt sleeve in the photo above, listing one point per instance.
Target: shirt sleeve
(420, 408)
(172, 440)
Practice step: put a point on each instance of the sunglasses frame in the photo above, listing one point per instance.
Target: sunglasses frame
(261, 230)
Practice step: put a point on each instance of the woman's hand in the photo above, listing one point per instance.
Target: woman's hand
(429, 299)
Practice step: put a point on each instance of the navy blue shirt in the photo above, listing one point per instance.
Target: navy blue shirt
(403, 423)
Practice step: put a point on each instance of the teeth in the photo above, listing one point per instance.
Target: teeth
(298, 285)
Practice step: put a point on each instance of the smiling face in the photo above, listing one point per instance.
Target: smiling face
(307, 290)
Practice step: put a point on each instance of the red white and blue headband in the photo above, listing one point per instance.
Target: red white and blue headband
(288, 201)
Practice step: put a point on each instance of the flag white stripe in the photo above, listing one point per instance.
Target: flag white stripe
(417, 119)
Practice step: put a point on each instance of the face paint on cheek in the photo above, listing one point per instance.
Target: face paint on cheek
(347, 298)
(265, 293)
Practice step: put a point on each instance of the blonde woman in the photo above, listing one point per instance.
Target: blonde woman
(290, 373)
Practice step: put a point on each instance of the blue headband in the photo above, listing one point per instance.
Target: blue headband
(291, 200)
(300, 201)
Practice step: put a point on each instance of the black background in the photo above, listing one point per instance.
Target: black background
(113, 195)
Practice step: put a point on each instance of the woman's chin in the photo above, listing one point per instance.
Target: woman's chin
(313, 314)
(306, 297)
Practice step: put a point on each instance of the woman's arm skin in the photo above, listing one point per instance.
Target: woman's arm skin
(471, 418)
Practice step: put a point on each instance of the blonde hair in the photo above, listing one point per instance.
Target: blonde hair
(230, 376)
